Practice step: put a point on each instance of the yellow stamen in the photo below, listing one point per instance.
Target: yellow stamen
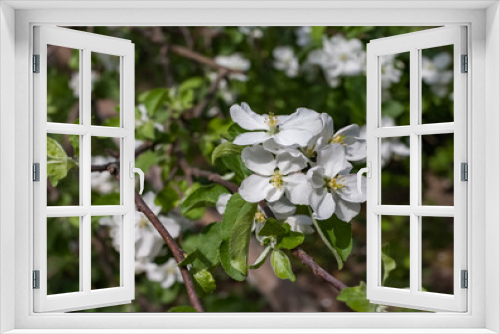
(259, 217)
(272, 122)
(338, 139)
(335, 183)
(143, 223)
(343, 57)
(277, 180)
(310, 151)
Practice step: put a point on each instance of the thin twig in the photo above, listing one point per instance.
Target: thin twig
(197, 110)
(214, 177)
(317, 269)
(199, 58)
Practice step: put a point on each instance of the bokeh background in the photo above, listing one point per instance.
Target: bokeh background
(186, 79)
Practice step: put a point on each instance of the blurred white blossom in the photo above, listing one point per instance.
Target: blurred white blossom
(235, 62)
(286, 61)
(166, 274)
(436, 74)
(144, 118)
(303, 35)
(223, 88)
(74, 82)
(390, 70)
(252, 32)
(102, 182)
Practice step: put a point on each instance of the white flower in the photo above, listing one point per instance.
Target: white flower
(348, 137)
(234, 62)
(301, 223)
(339, 57)
(223, 88)
(74, 82)
(295, 129)
(435, 73)
(391, 146)
(252, 32)
(103, 182)
(390, 70)
(145, 118)
(333, 190)
(285, 60)
(303, 35)
(166, 274)
(282, 208)
(274, 177)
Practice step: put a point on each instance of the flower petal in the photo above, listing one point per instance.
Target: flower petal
(171, 225)
(275, 194)
(322, 203)
(303, 119)
(291, 137)
(255, 188)
(356, 151)
(298, 188)
(350, 192)
(222, 203)
(251, 138)
(332, 159)
(300, 223)
(287, 163)
(282, 208)
(258, 160)
(346, 211)
(246, 118)
(316, 176)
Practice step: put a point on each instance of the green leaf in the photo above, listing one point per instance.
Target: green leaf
(281, 265)
(75, 142)
(355, 298)
(233, 207)
(153, 99)
(235, 164)
(182, 309)
(146, 160)
(239, 240)
(337, 236)
(205, 280)
(317, 33)
(147, 130)
(233, 131)
(202, 197)
(291, 240)
(58, 163)
(388, 264)
(272, 228)
(262, 258)
(167, 198)
(55, 150)
(225, 261)
(226, 149)
(203, 247)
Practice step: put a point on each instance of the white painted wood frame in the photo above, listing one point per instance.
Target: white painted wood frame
(85, 43)
(415, 297)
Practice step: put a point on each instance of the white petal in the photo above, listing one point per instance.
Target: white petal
(332, 159)
(304, 119)
(275, 194)
(171, 225)
(346, 210)
(291, 137)
(327, 125)
(322, 203)
(287, 164)
(350, 191)
(149, 199)
(356, 151)
(255, 188)
(300, 223)
(316, 176)
(222, 203)
(298, 188)
(246, 118)
(251, 138)
(282, 208)
(258, 160)
(148, 245)
(400, 149)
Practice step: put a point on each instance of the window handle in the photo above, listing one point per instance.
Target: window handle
(368, 171)
(141, 176)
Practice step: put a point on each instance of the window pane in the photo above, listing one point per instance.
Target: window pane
(395, 89)
(437, 254)
(437, 169)
(105, 261)
(105, 187)
(63, 169)
(63, 84)
(63, 254)
(395, 246)
(395, 170)
(105, 89)
(437, 84)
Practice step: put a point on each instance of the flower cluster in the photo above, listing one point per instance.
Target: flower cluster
(299, 159)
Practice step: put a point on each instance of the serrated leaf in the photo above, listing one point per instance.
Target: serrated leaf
(388, 264)
(290, 240)
(153, 99)
(337, 236)
(355, 298)
(262, 258)
(281, 265)
(240, 237)
(272, 228)
(202, 197)
(55, 150)
(182, 309)
(225, 261)
(205, 280)
(167, 198)
(226, 149)
(203, 248)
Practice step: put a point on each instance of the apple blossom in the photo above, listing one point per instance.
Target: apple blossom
(285, 60)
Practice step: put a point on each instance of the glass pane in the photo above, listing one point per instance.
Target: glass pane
(437, 169)
(63, 84)
(63, 255)
(105, 254)
(395, 170)
(63, 169)
(395, 89)
(105, 187)
(437, 84)
(437, 254)
(105, 89)
(395, 251)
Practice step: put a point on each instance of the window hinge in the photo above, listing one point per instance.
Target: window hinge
(36, 172)
(464, 171)
(465, 279)
(465, 64)
(36, 279)
(36, 63)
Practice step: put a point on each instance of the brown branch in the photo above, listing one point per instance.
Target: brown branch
(197, 110)
(317, 270)
(199, 58)
(214, 177)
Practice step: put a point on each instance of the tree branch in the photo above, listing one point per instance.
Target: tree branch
(186, 53)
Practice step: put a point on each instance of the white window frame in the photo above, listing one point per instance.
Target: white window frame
(483, 21)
